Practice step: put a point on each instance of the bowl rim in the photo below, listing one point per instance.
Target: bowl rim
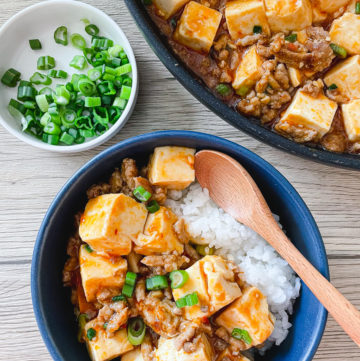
(185, 135)
(200, 91)
(75, 148)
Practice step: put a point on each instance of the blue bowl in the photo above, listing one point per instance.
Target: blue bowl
(52, 307)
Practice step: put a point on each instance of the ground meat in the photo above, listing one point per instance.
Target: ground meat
(143, 182)
(106, 294)
(335, 142)
(159, 194)
(282, 76)
(188, 331)
(97, 190)
(299, 134)
(251, 105)
(313, 87)
(191, 253)
(180, 230)
(223, 334)
(278, 100)
(73, 246)
(249, 40)
(168, 263)
(147, 348)
(128, 172)
(116, 182)
(71, 265)
(336, 96)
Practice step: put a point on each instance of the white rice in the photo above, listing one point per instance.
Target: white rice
(261, 265)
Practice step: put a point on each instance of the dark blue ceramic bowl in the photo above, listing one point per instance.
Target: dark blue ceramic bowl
(52, 307)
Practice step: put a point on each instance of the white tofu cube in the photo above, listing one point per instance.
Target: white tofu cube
(227, 355)
(214, 284)
(345, 31)
(134, 355)
(251, 313)
(172, 167)
(351, 116)
(346, 76)
(330, 6)
(248, 72)
(288, 15)
(307, 113)
(111, 222)
(242, 16)
(197, 27)
(167, 8)
(167, 351)
(159, 235)
(318, 15)
(103, 348)
(98, 272)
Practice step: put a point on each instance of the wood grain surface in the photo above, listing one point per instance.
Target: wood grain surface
(30, 178)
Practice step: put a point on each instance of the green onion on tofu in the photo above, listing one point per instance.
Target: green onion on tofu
(153, 206)
(156, 283)
(357, 8)
(118, 298)
(130, 278)
(178, 278)
(128, 290)
(91, 333)
(142, 194)
(241, 335)
(223, 89)
(291, 38)
(89, 249)
(187, 301)
(136, 331)
(332, 87)
(338, 50)
(257, 29)
(35, 44)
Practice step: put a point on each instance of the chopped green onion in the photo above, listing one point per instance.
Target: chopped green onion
(223, 89)
(128, 290)
(45, 63)
(61, 95)
(82, 320)
(141, 194)
(38, 78)
(35, 44)
(118, 298)
(189, 300)
(11, 78)
(178, 278)
(338, 50)
(153, 206)
(205, 250)
(29, 104)
(120, 103)
(61, 35)
(241, 335)
(332, 87)
(125, 92)
(26, 91)
(243, 90)
(114, 51)
(88, 248)
(114, 114)
(123, 69)
(357, 8)
(130, 278)
(136, 331)
(16, 109)
(92, 30)
(291, 38)
(78, 41)
(74, 133)
(84, 122)
(91, 102)
(91, 333)
(85, 21)
(52, 128)
(86, 87)
(78, 62)
(67, 138)
(51, 139)
(99, 43)
(156, 283)
(58, 74)
(257, 29)
(45, 119)
(127, 80)
(42, 102)
(101, 115)
(80, 140)
(94, 74)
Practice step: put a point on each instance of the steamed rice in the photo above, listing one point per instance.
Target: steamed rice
(261, 265)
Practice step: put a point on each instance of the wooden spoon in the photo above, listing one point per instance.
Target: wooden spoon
(232, 188)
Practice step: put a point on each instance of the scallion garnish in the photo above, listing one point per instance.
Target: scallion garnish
(152, 206)
(357, 8)
(136, 331)
(187, 301)
(156, 283)
(82, 320)
(332, 87)
(89, 249)
(35, 44)
(128, 290)
(91, 333)
(178, 278)
(291, 38)
(205, 250)
(118, 298)
(338, 50)
(242, 335)
(257, 29)
(223, 89)
(141, 194)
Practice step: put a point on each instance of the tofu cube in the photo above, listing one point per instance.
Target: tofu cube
(227, 355)
(346, 75)
(351, 116)
(197, 27)
(242, 16)
(318, 16)
(248, 71)
(111, 222)
(308, 114)
(330, 6)
(172, 167)
(167, 8)
(167, 351)
(288, 15)
(250, 312)
(159, 235)
(98, 272)
(345, 31)
(103, 348)
(134, 355)
(214, 284)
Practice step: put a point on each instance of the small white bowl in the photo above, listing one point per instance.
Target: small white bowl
(39, 22)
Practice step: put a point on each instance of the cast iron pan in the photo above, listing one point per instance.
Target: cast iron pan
(250, 126)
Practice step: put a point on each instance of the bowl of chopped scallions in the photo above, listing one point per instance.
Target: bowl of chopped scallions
(68, 76)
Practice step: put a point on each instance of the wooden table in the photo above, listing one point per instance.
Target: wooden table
(30, 178)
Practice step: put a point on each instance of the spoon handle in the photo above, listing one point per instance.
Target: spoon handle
(338, 306)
